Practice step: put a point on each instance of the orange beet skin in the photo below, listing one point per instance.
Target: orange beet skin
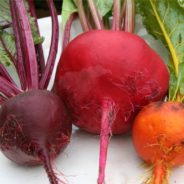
(158, 136)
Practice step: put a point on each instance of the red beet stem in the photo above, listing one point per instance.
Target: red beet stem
(108, 115)
(7, 88)
(27, 45)
(4, 73)
(116, 25)
(44, 156)
(53, 48)
(39, 48)
(95, 14)
(129, 20)
(82, 16)
(2, 99)
(19, 64)
(66, 35)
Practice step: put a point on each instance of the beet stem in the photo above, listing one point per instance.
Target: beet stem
(116, 25)
(159, 173)
(19, 64)
(129, 21)
(123, 11)
(66, 35)
(27, 45)
(108, 115)
(4, 73)
(2, 99)
(39, 48)
(95, 14)
(7, 88)
(53, 48)
(82, 16)
(44, 156)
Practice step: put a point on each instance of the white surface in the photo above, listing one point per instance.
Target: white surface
(79, 162)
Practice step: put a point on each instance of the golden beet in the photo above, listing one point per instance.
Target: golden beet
(158, 136)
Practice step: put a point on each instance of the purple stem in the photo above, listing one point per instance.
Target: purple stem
(2, 99)
(27, 45)
(95, 14)
(129, 21)
(8, 89)
(82, 16)
(4, 73)
(39, 48)
(19, 64)
(116, 25)
(108, 115)
(53, 48)
(66, 35)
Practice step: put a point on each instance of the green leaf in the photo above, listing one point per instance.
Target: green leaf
(181, 72)
(36, 38)
(5, 16)
(104, 6)
(4, 58)
(68, 8)
(164, 19)
(9, 41)
(7, 35)
(181, 3)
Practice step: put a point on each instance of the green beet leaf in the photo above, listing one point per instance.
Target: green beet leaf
(164, 20)
(7, 38)
(68, 7)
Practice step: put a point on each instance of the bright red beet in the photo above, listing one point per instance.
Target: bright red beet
(104, 78)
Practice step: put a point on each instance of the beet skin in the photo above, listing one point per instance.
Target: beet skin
(33, 124)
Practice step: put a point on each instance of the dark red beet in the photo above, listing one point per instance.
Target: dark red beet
(111, 73)
(34, 124)
(34, 128)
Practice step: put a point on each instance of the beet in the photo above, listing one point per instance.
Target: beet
(29, 122)
(34, 123)
(96, 66)
(34, 128)
(105, 77)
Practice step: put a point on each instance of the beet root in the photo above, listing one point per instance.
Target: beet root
(115, 65)
(34, 128)
(112, 64)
